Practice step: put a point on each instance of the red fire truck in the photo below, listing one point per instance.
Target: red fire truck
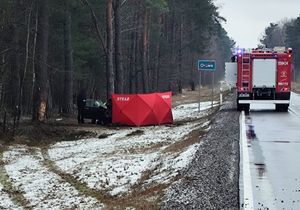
(262, 76)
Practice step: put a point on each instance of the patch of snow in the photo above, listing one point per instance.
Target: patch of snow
(205, 124)
(129, 208)
(191, 110)
(117, 174)
(106, 164)
(14, 154)
(42, 188)
(184, 158)
(5, 201)
(172, 164)
(88, 149)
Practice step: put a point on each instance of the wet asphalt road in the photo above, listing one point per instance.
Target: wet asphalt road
(274, 157)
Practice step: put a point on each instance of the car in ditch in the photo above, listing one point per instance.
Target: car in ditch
(97, 111)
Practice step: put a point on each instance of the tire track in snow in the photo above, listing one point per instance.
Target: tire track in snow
(111, 202)
(82, 187)
(41, 187)
(5, 200)
(10, 198)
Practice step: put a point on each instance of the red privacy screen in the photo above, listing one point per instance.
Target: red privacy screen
(142, 109)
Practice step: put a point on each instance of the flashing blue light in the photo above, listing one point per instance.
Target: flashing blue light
(237, 51)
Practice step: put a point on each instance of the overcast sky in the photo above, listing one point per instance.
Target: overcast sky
(246, 20)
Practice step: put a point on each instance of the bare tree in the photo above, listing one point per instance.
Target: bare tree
(15, 57)
(118, 48)
(40, 88)
(22, 79)
(68, 84)
(158, 54)
(145, 50)
(109, 60)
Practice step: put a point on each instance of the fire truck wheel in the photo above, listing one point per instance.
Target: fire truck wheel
(239, 107)
(247, 108)
(243, 107)
(282, 107)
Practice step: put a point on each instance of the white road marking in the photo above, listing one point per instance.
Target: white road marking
(247, 193)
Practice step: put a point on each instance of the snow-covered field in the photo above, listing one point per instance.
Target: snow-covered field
(5, 201)
(112, 164)
(41, 187)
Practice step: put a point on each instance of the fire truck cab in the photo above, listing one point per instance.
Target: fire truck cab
(262, 76)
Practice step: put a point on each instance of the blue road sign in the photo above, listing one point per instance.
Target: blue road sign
(206, 65)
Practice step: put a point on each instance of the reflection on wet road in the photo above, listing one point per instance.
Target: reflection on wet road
(274, 156)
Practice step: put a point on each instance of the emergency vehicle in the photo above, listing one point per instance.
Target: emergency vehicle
(261, 76)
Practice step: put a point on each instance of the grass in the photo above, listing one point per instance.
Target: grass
(189, 96)
(136, 133)
(192, 138)
(43, 135)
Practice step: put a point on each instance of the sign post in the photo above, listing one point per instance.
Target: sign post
(210, 66)
(212, 90)
(199, 90)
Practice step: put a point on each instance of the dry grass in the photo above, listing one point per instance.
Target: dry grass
(192, 138)
(189, 96)
(136, 133)
(44, 134)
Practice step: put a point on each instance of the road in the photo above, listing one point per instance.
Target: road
(274, 158)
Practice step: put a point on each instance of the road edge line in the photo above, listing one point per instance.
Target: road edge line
(246, 196)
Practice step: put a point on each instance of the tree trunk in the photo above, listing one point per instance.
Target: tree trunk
(26, 63)
(192, 62)
(173, 67)
(30, 105)
(2, 85)
(118, 49)
(40, 92)
(132, 65)
(180, 56)
(157, 60)
(68, 84)
(145, 78)
(192, 69)
(137, 55)
(109, 60)
(15, 58)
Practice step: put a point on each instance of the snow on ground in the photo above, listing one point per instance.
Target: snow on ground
(5, 201)
(172, 164)
(117, 162)
(187, 111)
(42, 188)
(114, 163)
(116, 174)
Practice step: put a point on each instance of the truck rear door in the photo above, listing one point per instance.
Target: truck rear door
(264, 73)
